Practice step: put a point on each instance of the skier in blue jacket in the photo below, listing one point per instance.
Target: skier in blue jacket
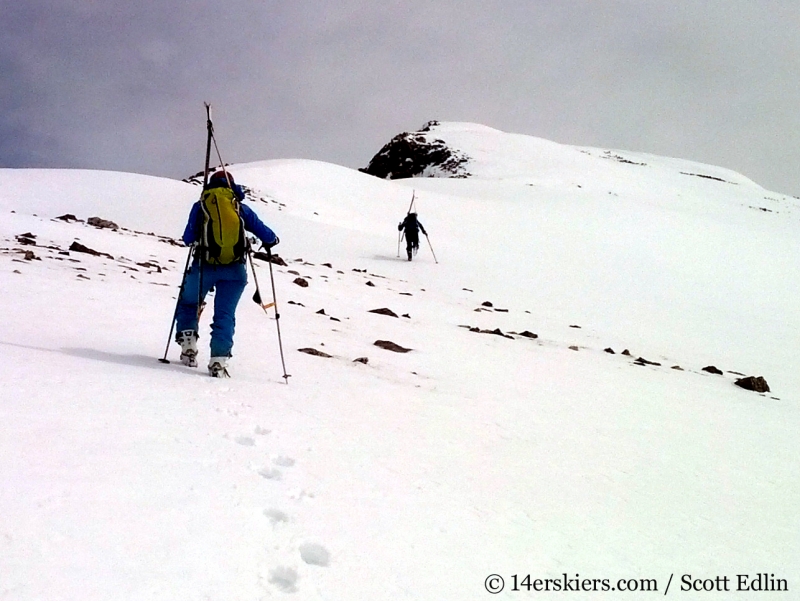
(228, 280)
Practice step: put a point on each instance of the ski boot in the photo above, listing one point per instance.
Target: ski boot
(218, 367)
(188, 341)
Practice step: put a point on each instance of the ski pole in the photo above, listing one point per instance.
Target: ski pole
(431, 247)
(175, 313)
(274, 303)
(399, 240)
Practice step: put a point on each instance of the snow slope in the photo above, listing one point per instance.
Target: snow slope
(417, 475)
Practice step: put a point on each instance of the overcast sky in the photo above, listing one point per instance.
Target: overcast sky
(120, 84)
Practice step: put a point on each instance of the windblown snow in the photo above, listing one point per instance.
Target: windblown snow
(483, 450)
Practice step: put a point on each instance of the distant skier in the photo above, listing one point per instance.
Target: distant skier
(411, 226)
(216, 225)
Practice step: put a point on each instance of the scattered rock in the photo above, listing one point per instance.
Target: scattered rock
(713, 370)
(363, 360)
(80, 248)
(335, 319)
(298, 304)
(303, 283)
(677, 368)
(68, 217)
(576, 327)
(103, 224)
(406, 315)
(574, 348)
(360, 270)
(626, 352)
(293, 272)
(528, 334)
(315, 352)
(321, 312)
(18, 271)
(370, 284)
(27, 238)
(383, 311)
(269, 258)
(609, 350)
(754, 383)
(150, 265)
(391, 346)
(328, 265)
(501, 310)
(406, 294)
(643, 361)
(467, 289)
(30, 256)
(496, 332)
(486, 304)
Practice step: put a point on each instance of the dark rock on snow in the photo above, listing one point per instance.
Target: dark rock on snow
(363, 360)
(754, 383)
(274, 259)
(383, 311)
(301, 282)
(315, 352)
(103, 224)
(391, 346)
(27, 238)
(713, 370)
(80, 248)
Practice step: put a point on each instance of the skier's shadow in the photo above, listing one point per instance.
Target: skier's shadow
(119, 359)
(95, 355)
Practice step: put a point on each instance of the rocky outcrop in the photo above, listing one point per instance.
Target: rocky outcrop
(418, 154)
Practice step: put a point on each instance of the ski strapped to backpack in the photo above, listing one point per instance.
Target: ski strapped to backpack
(223, 236)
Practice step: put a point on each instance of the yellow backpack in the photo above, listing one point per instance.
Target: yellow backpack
(223, 228)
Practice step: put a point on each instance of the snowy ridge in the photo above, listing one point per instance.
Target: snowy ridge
(484, 450)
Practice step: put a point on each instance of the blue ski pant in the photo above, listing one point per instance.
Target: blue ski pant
(229, 282)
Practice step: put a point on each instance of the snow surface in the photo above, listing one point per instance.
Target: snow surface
(417, 475)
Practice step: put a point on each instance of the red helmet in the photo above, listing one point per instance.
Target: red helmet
(220, 177)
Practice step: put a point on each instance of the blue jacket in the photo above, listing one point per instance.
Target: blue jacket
(194, 227)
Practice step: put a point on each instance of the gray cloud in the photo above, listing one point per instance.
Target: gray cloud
(120, 85)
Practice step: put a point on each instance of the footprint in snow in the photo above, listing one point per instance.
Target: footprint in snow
(284, 578)
(245, 441)
(276, 516)
(261, 431)
(315, 555)
(270, 473)
(283, 461)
